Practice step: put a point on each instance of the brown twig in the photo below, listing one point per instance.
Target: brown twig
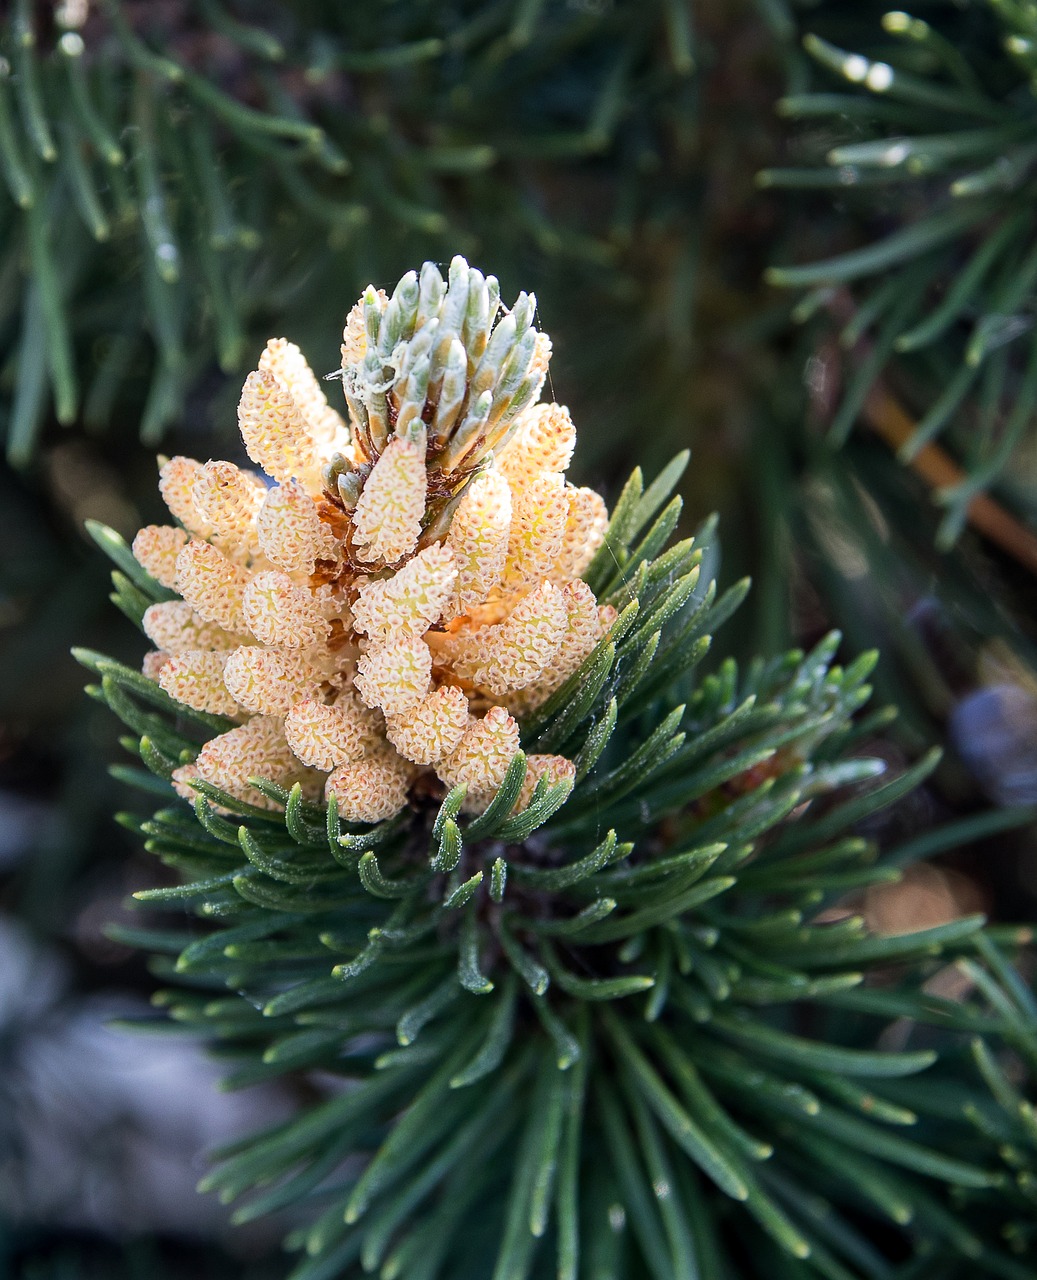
(888, 419)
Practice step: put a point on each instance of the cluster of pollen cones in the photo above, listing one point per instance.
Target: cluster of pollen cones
(390, 591)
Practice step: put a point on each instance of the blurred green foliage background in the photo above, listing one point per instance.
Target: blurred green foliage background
(184, 178)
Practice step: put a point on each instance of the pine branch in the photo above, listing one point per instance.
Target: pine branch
(937, 125)
(649, 987)
(160, 167)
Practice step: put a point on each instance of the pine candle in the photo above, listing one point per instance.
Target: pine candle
(399, 585)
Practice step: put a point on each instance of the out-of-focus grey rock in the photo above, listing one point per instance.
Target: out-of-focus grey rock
(995, 732)
(103, 1129)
